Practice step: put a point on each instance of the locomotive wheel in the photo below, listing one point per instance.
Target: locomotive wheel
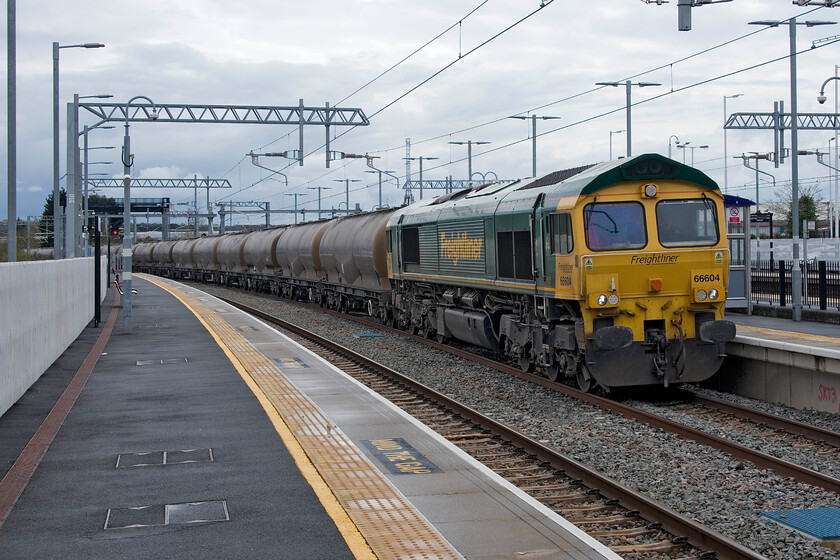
(585, 381)
(525, 362)
(553, 372)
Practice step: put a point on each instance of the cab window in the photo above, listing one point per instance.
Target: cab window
(561, 234)
(614, 226)
(687, 223)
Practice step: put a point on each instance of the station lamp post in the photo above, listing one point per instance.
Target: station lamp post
(469, 144)
(346, 191)
(319, 189)
(533, 119)
(821, 162)
(725, 153)
(676, 141)
(85, 165)
(835, 195)
(128, 161)
(421, 158)
(628, 84)
(757, 157)
(73, 238)
(683, 146)
(58, 242)
(611, 135)
(692, 148)
(296, 195)
(796, 272)
(373, 169)
(380, 172)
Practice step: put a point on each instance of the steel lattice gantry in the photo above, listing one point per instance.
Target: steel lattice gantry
(220, 114)
(300, 115)
(778, 121)
(163, 183)
(770, 121)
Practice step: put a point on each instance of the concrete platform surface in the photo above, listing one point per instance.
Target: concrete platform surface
(205, 433)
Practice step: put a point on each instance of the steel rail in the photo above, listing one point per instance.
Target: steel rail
(808, 431)
(761, 460)
(697, 535)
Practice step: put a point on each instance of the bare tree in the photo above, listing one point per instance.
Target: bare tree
(811, 205)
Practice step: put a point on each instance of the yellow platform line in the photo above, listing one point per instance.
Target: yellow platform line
(375, 520)
(789, 334)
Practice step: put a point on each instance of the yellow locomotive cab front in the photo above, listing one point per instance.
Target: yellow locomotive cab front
(653, 275)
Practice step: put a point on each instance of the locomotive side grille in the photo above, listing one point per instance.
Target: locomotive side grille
(429, 249)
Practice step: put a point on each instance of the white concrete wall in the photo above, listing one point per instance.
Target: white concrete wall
(819, 248)
(44, 305)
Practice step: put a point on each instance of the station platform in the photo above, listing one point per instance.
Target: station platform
(794, 363)
(206, 433)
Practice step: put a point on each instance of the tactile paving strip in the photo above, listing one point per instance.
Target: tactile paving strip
(392, 527)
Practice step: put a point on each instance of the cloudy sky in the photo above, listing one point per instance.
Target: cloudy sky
(498, 59)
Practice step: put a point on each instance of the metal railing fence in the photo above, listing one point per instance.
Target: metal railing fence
(771, 283)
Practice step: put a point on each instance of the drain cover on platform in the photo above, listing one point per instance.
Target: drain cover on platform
(164, 458)
(167, 514)
(197, 512)
(820, 523)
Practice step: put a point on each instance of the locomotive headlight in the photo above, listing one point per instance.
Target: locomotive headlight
(602, 300)
(713, 294)
(700, 295)
(650, 190)
(613, 299)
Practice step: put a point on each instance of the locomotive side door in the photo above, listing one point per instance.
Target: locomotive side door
(539, 238)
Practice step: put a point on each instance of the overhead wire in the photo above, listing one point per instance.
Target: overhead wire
(577, 95)
(543, 5)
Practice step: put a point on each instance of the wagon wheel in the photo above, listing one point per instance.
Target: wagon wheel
(585, 381)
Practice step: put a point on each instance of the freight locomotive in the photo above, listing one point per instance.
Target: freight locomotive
(613, 275)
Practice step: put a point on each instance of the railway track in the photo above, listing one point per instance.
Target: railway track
(625, 520)
(830, 440)
(770, 421)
